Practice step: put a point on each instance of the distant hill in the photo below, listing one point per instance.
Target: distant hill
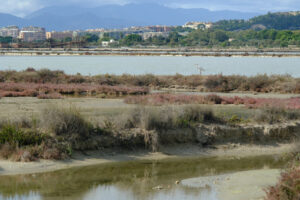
(7, 20)
(117, 16)
(278, 21)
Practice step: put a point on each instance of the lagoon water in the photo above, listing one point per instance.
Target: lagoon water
(159, 65)
(131, 180)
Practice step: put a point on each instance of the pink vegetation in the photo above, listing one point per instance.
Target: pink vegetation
(34, 89)
(162, 99)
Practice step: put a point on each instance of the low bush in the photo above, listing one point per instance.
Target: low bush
(164, 99)
(217, 83)
(214, 83)
(66, 122)
(33, 89)
(259, 83)
(166, 117)
(11, 135)
(22, 144)
(288, 186)
(274, 114)
(215, 99)
(54, 95)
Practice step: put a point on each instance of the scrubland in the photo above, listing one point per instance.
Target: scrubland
(136, 119)
(31, 82)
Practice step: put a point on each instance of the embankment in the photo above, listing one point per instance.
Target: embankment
(150, 52)
(203, 135)
(199, 140)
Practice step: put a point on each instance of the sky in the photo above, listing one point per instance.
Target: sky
(23, 7)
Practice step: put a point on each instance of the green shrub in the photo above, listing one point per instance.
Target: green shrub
(234, 119)
(16, 137)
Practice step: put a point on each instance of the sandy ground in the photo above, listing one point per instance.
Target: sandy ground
(243, 185)
(13, 108)
(93, 158)
(94, 109)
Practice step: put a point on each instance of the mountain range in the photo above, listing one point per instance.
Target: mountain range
(117, 16)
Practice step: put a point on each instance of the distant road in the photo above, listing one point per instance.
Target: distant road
(150, 52)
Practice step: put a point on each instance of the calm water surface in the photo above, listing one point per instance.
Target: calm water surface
(160, 65)
(130, 180)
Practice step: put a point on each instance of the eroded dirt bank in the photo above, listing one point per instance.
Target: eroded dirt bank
(203, 135)
(200, 140)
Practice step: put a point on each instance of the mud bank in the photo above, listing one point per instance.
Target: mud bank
(202, 135)
(199, 140)
(239, 185)
(224, 134)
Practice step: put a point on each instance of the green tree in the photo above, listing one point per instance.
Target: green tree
(132, 39)
(91, 37)
(220, 36)
(6, 39)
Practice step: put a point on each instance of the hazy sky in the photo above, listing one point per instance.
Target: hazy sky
(23, 7)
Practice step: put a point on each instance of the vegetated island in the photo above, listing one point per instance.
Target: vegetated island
(121, 115)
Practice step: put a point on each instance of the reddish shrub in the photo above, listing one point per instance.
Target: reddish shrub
(288, 187)
(212, 98)
(161, 99)
(250, 101)
(33, 89)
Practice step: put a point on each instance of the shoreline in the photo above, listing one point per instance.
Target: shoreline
(237, 185)
(168, 152)
(153, 52)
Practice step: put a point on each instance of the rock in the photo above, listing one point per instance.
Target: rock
(177, 182)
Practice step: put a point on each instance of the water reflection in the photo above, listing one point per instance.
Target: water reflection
(30, 196)
(179, 192)
(130, 180)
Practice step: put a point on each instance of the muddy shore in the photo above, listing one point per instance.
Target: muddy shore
(117, 155)
(239, 185)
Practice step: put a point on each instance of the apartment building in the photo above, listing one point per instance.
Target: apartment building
(148, 35)
(10, 31)
(30, 34)
(59, 35)
(159, 28)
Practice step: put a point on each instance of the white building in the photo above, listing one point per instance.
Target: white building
(30, 34)
(10, 31)
(198, 25)
(148, 35)
(107, 43)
